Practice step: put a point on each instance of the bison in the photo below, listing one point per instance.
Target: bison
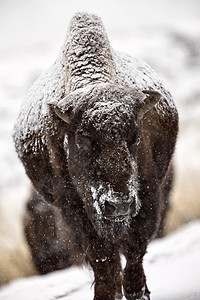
(96, 135)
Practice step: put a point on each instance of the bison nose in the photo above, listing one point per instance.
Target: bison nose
(116, 209)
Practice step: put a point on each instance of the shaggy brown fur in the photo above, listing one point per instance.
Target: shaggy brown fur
(102, 154)
(51, 243)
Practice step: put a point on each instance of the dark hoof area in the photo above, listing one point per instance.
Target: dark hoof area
(143, 295)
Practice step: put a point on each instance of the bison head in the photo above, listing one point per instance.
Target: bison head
(103, 134)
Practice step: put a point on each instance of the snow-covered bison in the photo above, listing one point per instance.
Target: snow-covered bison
(96, 135)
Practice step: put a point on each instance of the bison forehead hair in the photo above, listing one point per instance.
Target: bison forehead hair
(108, 110)
(110, 119)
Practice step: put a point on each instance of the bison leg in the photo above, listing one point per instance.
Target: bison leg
(47, 236)
(135, 287)
(105, 261)
(165, 200)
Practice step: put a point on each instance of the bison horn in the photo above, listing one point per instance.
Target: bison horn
(64, 116)
(152, 98)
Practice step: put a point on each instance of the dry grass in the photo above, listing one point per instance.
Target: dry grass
(15, 259)
(185, 200)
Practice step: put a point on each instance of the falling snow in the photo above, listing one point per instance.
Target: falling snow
(166, 36)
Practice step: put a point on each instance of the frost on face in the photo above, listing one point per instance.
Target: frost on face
(133, 188)
(102, 194)
(106, 225)
(95, 201)
(66, 146)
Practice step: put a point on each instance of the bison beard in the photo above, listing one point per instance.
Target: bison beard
(96, 135)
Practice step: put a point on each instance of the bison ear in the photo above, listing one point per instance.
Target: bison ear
(65, 116)
(63, 109)
(151, 99)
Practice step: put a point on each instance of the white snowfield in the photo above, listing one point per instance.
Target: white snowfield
(171, 264)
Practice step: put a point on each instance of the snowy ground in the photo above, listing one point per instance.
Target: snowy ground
(169, 266)
(166, 34)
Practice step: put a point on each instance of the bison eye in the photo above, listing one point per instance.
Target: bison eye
(137, 141)
(83, 143)
(134, 144)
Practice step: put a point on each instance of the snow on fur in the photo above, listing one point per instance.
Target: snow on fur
(76, 67)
